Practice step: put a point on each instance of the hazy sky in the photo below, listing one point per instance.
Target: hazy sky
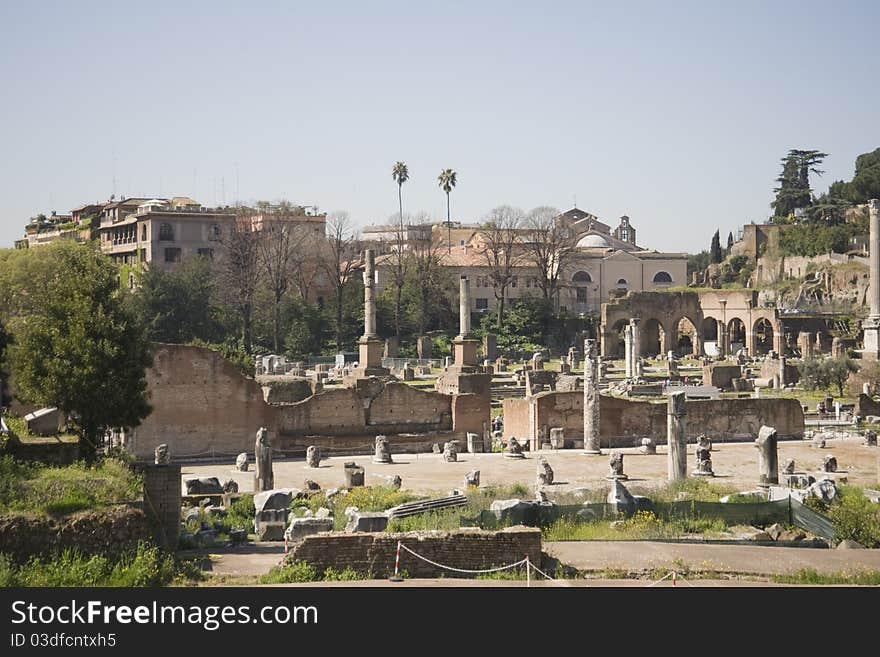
(675, 113)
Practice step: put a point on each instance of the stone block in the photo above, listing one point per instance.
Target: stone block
(367, 521)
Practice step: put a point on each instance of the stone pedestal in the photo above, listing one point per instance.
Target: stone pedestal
(464, 351)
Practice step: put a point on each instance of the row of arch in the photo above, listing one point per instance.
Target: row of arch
(682, 337)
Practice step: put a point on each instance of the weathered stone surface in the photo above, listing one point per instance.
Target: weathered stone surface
(382, 450)
(676, 436)
(474, 442)
(768, 469)
(624, 501)
(366, 521)
(615, 463)
(264, 478)
(472, 478)
(162, 455)
(799, 480)
(450, 451)
(545, 472)
(704, 462)
(354, 474)
(436, 448)
(279, 498)
(230, 486)
(323, 512)
(513, 449)
(301, 527)
(648, 446)
(775, 531)
(395, 481)
(871, 438)
(848, 544)
(557, 438)
(270, 531)
(311, 486)
(829, 464)
(517, 511)
(788, 468)
(203, 486)
(824, 490)
(241, 462)
(313, 456)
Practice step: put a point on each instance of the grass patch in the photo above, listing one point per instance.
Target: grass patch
(811, 577)
(642, 525)
(147, 566)
(50, 489)
(855, 517)
(290, 573)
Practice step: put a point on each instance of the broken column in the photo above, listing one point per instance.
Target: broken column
(264, 478)
(354, 474)
(768, 465)
(837, 348)
(464, 346)
(591, 399)
(545, 472)
(370, 347)
(615, 463)
(871, 325)
(805, 344)
(636, 344)
(676, 441)
(313, 457)
(382, 450)
(627, 351)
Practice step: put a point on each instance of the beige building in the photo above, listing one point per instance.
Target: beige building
(607, 264)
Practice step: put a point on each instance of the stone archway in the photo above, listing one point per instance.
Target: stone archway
(736, 336)
(687, 341)
(763, 337)
(614, 346)
(653, 338)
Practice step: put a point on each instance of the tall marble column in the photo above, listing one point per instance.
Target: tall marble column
(676, 440)
(627, 351)
(768, 463)
(370, 347)
(464, 345)
(369, 303)
(591, 398)
(871, 325)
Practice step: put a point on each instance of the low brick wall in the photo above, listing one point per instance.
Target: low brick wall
(374, 553)
(108, 531)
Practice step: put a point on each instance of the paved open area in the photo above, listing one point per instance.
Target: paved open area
(734, 463)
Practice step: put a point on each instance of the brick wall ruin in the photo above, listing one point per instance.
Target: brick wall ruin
(374, 552)
(203, 406)
(625, 422)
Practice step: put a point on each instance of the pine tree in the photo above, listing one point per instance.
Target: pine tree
(715, 249)
(729, 241)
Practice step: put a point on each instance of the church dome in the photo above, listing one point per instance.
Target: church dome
(593, 241)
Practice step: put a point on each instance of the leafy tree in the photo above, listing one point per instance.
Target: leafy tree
(549, 248)
(4, 341)
(823, 373)
(839, 370)
(814, 374)
(697, 262)
(715, 253)
(501, 250)
(308, 328)
(523, 327)
(794, 190)
(447, 180)
(178, 306)
(77, 344)
(865, 184)
(428, 288)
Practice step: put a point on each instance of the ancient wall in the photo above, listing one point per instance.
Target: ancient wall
(721, 376)
(285, 389)
(470, 413)
(625, 422)
(202, 405)
(108, 531)
(374, 553)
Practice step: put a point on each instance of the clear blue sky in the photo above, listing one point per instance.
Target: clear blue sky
(675, 113)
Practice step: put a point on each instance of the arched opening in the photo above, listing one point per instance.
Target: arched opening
(652, 338)
(622, 284)
(763, 336)
(580, 281)
(736, 332)
(582, 277)
(687, 338)
(662, 278)
(709, 331)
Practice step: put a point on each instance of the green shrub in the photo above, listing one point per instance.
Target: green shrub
(289, 573)
(349, 574)
(241, 513)
(811, 576)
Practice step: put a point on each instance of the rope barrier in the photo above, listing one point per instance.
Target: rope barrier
(464, 570)
(666, 576)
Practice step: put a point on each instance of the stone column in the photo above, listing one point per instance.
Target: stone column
(636, 342)
(627, 351)
(464, 307)
(264, 478)
(369, 304)
(722, 339)
(676, 441)
(768, 464)
(805, 344)
(591, 399)
(871, 325)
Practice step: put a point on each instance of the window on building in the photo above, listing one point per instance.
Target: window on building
(513, 281)
(143, 255)
(582, 277)
(166, 233)
(624, 235)
(581, 294)
(207, 253)
(143, 232)
(622, 284)
(482, 304)
(172, 254)
(662, 277)
(214, 232)
(461, 242)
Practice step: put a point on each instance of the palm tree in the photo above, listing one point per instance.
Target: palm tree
(447, 182)
(400, 174)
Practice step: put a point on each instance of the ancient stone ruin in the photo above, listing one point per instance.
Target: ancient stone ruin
(264, 478)
(648, 446)
(545, 472)
(354, 474)
(162, 455)
(616, 464)
(382, 451)
(829, 464)
(450, 451)
(871, 438)
(472, 478)
(704, 462)
(313, 457)
(241, 462)
(768, 468)
(513, 449)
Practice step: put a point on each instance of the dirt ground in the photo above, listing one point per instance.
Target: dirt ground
(734, 463)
